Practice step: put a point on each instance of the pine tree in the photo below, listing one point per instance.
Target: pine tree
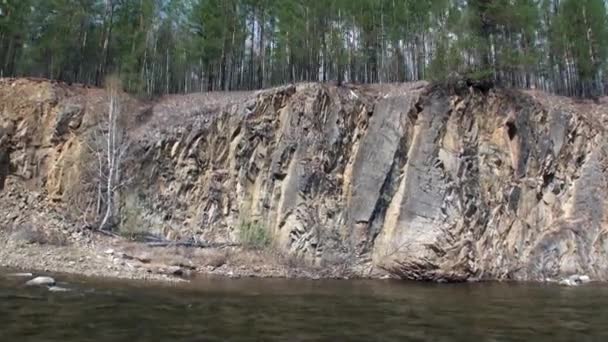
(169, 46)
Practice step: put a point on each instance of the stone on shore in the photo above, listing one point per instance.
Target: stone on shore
(575, 280)
(58, 289)
(41, 281)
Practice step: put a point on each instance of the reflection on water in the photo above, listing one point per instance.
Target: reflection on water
(287, 310)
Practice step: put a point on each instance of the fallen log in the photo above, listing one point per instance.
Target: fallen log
(190, 244)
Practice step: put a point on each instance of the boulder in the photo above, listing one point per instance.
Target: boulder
(68, 118)
(41, 281)
(575, 280)
(179, 271)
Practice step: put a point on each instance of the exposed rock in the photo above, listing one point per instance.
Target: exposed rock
(413, 181)
(41, 281)
(179, 271)
(68, 118)
(575, 280)
(58, 289)
(5, 150)
(584, 279)
(5, 164)
(143, 258)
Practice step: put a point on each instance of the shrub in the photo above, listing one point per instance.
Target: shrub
(253, 235)
(132, 225)
(217, 258)
(27, 234)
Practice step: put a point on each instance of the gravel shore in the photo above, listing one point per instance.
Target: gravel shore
(96, 255)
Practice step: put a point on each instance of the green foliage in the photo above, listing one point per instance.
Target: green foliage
(254, 235)
(579, 30)
(446, 62)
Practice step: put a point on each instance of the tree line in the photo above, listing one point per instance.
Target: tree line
(177, 46)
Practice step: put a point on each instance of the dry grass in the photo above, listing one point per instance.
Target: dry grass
(217, 258)
(254, 235)
(180, 256)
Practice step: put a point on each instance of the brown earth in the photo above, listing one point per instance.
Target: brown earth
(404, 180)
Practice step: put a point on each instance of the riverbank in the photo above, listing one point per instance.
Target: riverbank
(38, 237)
(91, 254)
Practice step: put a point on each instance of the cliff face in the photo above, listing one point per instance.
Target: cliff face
(422, 182)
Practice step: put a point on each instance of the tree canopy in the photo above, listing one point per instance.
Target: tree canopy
(175, 46)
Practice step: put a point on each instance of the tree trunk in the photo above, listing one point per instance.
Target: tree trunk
(262, 51)
(252, 53)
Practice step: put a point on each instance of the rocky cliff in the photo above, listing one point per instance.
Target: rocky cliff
(423, 182)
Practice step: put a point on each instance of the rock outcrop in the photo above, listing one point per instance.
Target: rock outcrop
(423, 182)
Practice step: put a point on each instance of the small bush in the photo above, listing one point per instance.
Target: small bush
(55, 238)
(253, 235)
(217, 258)
(27, 234)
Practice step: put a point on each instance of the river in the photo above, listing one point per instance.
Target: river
(300, 310)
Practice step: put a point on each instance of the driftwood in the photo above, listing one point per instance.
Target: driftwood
(191, 244)
(155, 241)
(100, 231)
(107, 233)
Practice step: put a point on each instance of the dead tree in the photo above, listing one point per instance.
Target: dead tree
(109, 145)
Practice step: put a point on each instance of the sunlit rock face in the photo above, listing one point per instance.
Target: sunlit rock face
(422, 182)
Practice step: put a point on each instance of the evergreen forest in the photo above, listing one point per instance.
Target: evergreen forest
(180, 46)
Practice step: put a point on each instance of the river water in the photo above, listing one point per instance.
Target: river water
(300, 310)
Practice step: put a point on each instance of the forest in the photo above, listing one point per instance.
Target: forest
(180, 46)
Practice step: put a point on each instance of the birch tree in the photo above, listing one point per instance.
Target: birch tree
(109, 145)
